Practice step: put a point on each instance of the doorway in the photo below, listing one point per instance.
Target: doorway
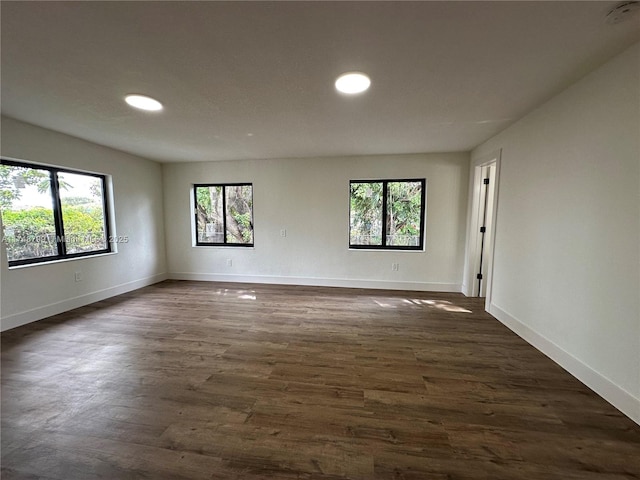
(482, 223)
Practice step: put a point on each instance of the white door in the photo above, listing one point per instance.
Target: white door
(478, 269)
(484, 242)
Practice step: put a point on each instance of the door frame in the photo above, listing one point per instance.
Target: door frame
(472, 250)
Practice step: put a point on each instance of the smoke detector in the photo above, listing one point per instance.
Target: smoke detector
(623, 11)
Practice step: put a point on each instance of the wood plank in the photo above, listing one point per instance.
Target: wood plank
(190, 380)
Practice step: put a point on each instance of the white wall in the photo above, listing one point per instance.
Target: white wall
(310, 199)
(37, 291)
(567, 258)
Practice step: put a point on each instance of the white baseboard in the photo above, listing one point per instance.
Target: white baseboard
(318, 282)
(22, 318)
(612, 393)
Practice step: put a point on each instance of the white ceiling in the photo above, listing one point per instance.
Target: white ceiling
(255, 79)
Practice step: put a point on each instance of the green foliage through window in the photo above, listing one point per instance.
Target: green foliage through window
(387, 214)
(50, 213)
(224, 214)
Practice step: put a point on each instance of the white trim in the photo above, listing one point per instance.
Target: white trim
(472, 238)
(60, 260)
(22, 318)
(612, 393)
(319, 282)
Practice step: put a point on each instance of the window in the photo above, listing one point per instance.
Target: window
(51, 213)
(387, 214)
(224, 214)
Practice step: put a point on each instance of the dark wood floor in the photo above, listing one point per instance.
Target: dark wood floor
(191, 380)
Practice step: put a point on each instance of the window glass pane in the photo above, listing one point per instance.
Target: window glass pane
(403, 219)
(210, 228)
(27, 213)
(239, 200)
(365, 214)
(83, 217)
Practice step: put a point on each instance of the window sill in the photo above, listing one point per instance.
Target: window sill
(388, 250)
(61, 260)
(225, 247)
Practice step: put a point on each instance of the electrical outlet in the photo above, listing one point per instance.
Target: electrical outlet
(78, 276)
(229, 262)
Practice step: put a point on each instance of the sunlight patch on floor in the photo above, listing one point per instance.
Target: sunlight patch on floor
(241, 294)
(437, 304)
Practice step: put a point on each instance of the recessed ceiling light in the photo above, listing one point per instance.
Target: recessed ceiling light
(352, 83)
(143, 102)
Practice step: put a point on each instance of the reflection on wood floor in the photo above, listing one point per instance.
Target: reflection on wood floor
(197, 380)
